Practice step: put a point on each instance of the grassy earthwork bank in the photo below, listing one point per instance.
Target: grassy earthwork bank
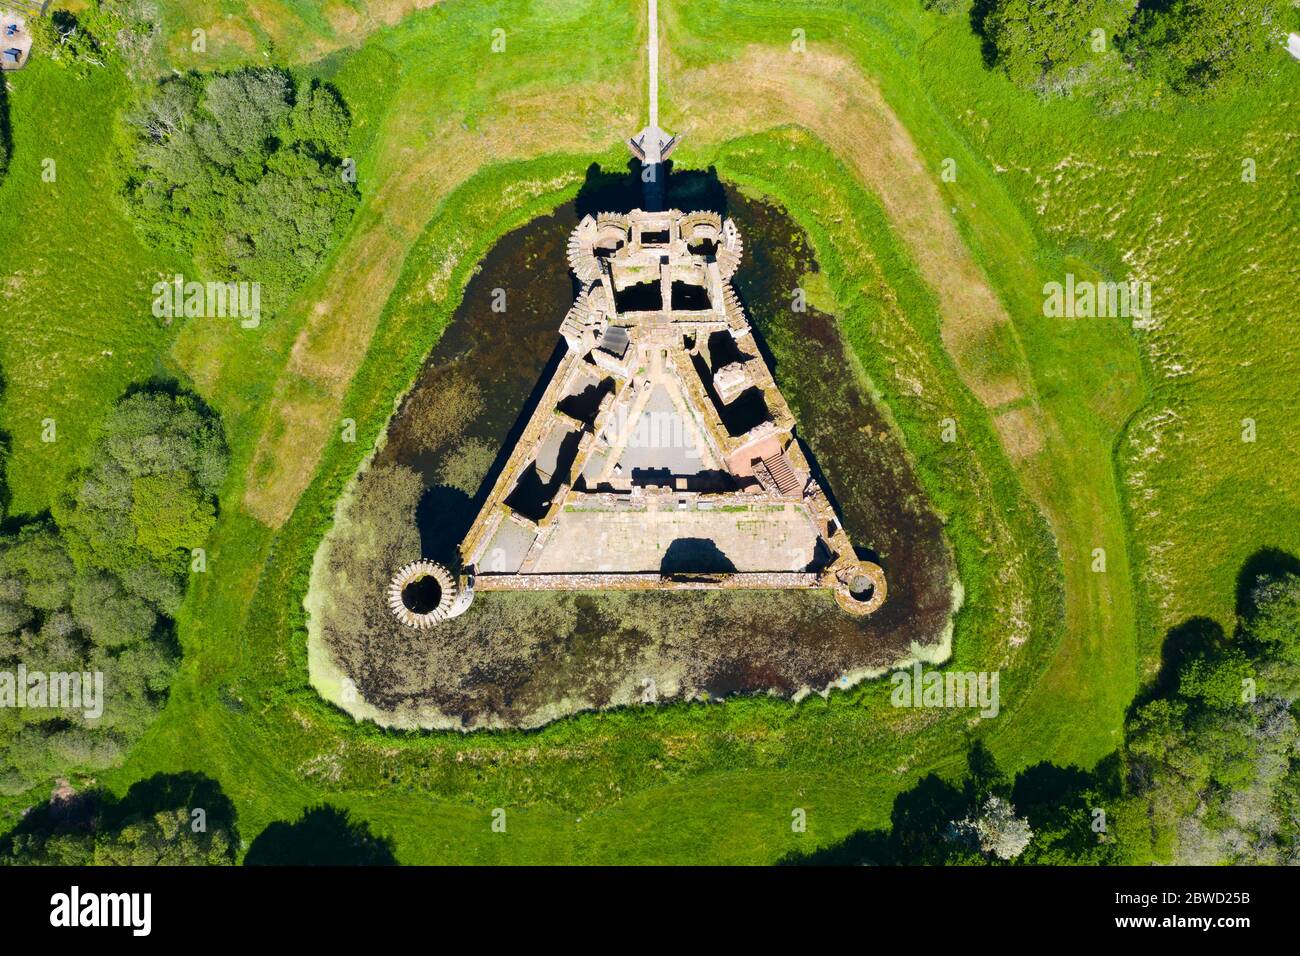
(1073, 435)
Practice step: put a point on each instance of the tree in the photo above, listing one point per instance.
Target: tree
(1037, 42)
(124, 30)
(166, 820)
(943, 7)
(1077, 816)
(995, 829)
(35, 570)
(1217, 681)
(66, 41)
(1205, 47)
(1273, 623)
(170, 512)
(1156, 742)
(107, 614)
(165, 838)
(148, 489)
(132, 29)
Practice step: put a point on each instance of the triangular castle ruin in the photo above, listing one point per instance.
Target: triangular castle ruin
(661, 455)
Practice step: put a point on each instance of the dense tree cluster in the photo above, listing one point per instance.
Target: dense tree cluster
(1216, 764)
(245, 173)
(1204, 46)
(1198, 48)
(182, 819)
(166, 820)
(164, 838)
(1040, 42)
(93, 590)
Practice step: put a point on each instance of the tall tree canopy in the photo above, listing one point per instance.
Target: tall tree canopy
(93, 591)
(1197, 47)
(1201, 47)
(244, 172)
(1038, 42)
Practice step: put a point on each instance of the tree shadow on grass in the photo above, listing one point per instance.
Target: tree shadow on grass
(916, 833)
(1051, 797)
(175, 791)
(919, 822)
(1195, 637)
(1057, 800)
(6, 140)
(1269, 564)
(979, 13)
(1203, 637)
(322, 836)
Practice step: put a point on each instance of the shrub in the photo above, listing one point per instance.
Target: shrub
(1216, 681)
(169, 512)
(1274, 624)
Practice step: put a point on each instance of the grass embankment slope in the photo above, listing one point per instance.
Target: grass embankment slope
(1032, 199)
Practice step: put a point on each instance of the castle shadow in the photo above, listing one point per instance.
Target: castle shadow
(695, 556)
(620, 190)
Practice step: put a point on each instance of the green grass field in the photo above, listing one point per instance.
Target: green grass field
(76, 298)
(1134, 436)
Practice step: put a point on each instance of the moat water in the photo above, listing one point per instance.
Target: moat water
(522, 659)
